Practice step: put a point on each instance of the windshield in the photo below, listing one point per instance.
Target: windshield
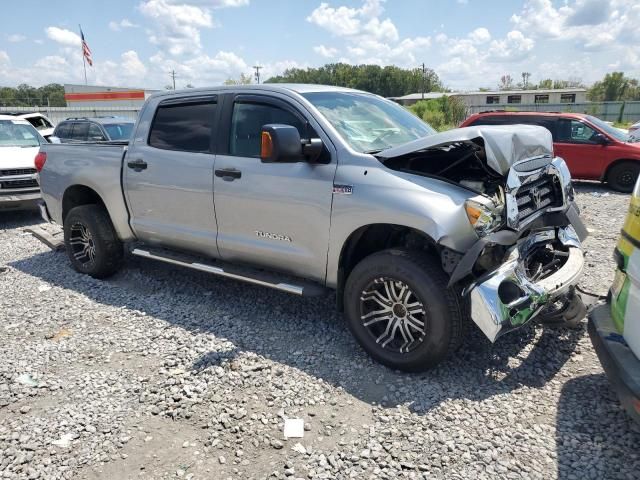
(119, 131)
(609, 129)
(368, 123)
(19, 133)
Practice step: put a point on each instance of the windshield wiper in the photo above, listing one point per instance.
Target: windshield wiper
(373, 152)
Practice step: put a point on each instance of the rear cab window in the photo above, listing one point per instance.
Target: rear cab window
(185, 125)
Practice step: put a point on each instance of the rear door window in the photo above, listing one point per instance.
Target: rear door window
(63, 130)
(80, 131)
(184, 126)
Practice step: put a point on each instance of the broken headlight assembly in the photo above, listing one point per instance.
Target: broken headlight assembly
(483, 217)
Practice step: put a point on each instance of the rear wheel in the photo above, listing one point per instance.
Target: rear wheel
(400, 310)
(91, 241)
(622, 176)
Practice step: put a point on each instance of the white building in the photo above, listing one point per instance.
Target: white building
(505, 98)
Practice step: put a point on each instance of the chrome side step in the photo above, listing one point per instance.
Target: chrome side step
(255, 277)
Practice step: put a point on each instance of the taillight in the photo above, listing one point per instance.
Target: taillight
(41, 157)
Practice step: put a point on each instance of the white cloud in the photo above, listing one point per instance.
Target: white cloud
(515, 46)
(176, 27)
(480, 35)
(589, 24)
(4, 58)
(124, 23)
(132, 66)
(476, 57)
(16, 37)
(327, 52)
(214, 3)
(199, 70)
(63, 36)
(365, 36)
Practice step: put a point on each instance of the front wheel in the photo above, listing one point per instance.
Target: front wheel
(622, 177)
(91, 241)
(400, 310)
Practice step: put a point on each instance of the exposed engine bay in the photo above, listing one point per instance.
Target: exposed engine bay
(463, 162)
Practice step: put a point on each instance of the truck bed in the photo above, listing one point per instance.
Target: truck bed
(76, 167)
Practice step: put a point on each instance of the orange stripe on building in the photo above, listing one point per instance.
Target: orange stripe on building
(104, 96)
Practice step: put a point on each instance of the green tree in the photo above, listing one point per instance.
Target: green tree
(389, 81)
(241, 80)
(27, 96)
(441, 113)
(546, 84)
(613, 87)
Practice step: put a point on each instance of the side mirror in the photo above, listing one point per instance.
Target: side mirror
(282, 143)
(601, 139)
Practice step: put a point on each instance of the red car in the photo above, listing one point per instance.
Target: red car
(593, 149)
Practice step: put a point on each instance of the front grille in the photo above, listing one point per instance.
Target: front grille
(532, 164)
(28, 183)
(537, 195)
(17, 171)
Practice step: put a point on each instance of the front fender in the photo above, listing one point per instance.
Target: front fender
(381, 196)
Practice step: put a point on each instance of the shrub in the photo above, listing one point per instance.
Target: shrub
(441, 113)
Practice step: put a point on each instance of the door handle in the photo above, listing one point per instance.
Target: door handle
(228, 174)
(138, 164)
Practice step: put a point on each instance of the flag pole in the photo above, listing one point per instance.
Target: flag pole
(84, 65)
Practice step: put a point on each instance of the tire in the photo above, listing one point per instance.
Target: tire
(442, 313)
(91, 241)
(622, 176)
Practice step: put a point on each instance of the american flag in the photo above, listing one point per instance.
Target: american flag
(86, 51)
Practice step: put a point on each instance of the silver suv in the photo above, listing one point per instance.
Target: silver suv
(94, 129)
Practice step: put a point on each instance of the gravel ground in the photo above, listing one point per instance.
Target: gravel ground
(160, 373)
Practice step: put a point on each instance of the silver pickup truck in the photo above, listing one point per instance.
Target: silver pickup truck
(304, 188)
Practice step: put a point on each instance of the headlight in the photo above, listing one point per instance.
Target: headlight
(483, 218)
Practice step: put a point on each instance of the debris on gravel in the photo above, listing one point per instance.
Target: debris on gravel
(161, 373)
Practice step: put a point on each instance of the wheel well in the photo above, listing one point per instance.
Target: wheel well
(374, 238)
(613, 164)
(77, 195)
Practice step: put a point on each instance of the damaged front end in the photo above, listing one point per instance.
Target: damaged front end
(539, 271)
(528, 255)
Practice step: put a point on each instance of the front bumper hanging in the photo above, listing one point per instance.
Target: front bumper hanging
(506, 298)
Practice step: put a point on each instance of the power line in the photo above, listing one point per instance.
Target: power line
(257, 74)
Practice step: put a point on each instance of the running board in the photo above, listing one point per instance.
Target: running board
(255, 277)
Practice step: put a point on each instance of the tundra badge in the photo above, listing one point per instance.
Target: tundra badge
(273, 236)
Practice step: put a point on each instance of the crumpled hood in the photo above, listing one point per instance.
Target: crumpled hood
(505, 145)
(16, 157)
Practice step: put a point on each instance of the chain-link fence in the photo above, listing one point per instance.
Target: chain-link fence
(607, 111)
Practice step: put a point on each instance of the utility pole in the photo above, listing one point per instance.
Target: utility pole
(424, 74)
(172, 74)
(257, 74)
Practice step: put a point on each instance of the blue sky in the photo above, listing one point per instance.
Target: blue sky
(469, 43)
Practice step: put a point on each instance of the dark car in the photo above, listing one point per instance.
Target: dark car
(94, 129)
(593, 149)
